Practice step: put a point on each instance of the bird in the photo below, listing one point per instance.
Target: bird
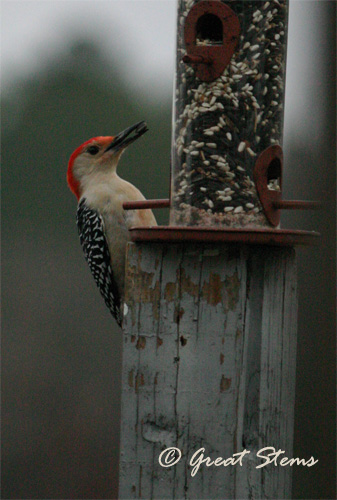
(103, 225)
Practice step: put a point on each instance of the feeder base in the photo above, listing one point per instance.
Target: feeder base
(256, 236)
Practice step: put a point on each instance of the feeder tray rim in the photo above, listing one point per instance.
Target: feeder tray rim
(250, 236)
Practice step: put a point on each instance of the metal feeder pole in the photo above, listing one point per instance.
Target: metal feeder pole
(209, 332)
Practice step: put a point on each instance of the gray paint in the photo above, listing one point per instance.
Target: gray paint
(209, 361)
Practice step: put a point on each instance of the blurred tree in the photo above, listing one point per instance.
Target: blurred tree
(61, 368)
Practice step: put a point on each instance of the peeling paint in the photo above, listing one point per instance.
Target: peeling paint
(130, 378)
(178, 314)
(183, 341)
(139, 381)
(172, 390)
(232, 284)
(141, 342)
(148, 290)
(211, 290)
(187, 285)
(170, 292)
(225, 383)
(159, 435)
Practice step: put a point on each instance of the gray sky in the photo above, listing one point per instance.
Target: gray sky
(143, 33)
(140, 31)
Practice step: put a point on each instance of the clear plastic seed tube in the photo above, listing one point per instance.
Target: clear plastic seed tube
(221, 127)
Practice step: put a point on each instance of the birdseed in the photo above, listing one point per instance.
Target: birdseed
(241, 112)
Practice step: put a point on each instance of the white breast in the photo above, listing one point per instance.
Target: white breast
(107, 198)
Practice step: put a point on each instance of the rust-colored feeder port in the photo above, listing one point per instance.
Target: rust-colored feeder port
(210, 59)
(268, 181)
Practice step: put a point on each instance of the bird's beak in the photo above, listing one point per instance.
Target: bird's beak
(123, 139)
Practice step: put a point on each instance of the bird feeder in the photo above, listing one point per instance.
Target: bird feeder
(228, 112)
(227, 158)
(210, 324)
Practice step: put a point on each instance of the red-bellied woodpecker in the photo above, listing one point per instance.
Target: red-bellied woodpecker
(103, 224)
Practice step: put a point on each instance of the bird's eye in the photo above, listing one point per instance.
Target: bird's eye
(93, 150)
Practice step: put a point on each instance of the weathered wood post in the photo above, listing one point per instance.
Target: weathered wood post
(209, 332)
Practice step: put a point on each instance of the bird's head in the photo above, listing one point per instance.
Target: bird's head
(99, 155)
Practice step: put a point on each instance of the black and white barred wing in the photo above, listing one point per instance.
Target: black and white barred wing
(95, 247)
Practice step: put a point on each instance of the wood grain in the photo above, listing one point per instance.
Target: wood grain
(209, 361)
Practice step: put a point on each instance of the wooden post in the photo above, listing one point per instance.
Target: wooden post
(209, 362)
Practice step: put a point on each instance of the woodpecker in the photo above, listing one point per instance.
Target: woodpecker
(103, 224)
